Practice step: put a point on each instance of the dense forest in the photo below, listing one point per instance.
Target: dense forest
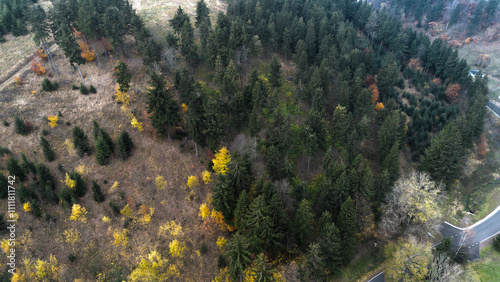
(328, 98)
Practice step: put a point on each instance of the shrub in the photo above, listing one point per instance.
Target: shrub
(80, 187)
(48, 86)
(71, 257)
(114, 208)
(97, 193)
(27, 165)
(6, 123)
(125, 145)
(50, 195)
(92, 89)
(83, 89)
(20, 126)
(59, 114)
(61, 168)
(203, 248)
(4, 186)
(74, 87)
(45, 132)
(496, 243)
(67, 198)
(221, 261)
(47, 150)
(35, 208)
(44, 176)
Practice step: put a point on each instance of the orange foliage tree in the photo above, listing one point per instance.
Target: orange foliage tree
(379, 106)
(483, 147)
(452, 93)
(88, 55)
(37, 66)
(40, 53)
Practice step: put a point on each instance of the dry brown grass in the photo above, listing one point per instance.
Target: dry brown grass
(152, 157)
(14, 50)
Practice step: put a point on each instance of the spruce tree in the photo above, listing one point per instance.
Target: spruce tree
(67, 42)
(261, 227)
(103, 151)
(80, 188)
(241, 210)
(162, 107)
(95, 129)
(331, 246)
(315, 267)
(15, 170)
(304, 220)
(223, 198)
(262, 271)
(275, 73)
(125, 145)
(123, 77)
(194, 120)
(202, 13)
(47, 150)
(81, 141)
(20, 127)
(108, 139)
(27, 165)
(239, 255)
(443, 158)
(97, 193)
(45, 177)
(177, 22)
(347, 229)
(4, 186)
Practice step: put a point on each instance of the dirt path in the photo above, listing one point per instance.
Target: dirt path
(20, 70)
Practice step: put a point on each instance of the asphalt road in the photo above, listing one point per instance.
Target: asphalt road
(468, 237)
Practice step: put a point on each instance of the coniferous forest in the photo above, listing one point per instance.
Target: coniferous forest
(326, 131)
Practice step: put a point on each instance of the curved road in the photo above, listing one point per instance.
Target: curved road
(469, 237)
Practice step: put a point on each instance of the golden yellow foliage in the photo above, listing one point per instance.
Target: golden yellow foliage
(160, 183)
(27, 207)
(191, 196)
(221, 243)
(127, 212)
(193, 182)
(154, 268)
(121, 237)
(33, 92)
(222, 158)
(81, 169)
(206, 177)
(184, 107)
(53, 121)
(379, 106)
(402, 268)
(123, 97)
(88, 55)
(70, 147)
(114, 187)
(219, 219)
(223, 276)
(177, 248)
(71, 236)
(171, 229)
(204, 211)
(78, 213)
(5, 246)
(136, 124)
(147, 213)
(69, 182)
(40, 270)
(106, 219)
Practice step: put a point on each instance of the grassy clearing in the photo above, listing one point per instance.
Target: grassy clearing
(14, 50)
(471, 51)
(488, 268)
(359, 267)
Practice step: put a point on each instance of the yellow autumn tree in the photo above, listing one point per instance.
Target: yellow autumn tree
(221, 243)
(171, 229)
(121, 237)
(204, 211)
(53, 121)
(177, 248)
(27, 207)
(71, 236)
(5, 246)
(221, 160)
(409, 260)
(70, 183)
(41, 270)
(160, 183)
(78, 213)
(123, 97)
(193, 182)
(206, 177)
(379, 106)
(154, 268)
(136, 124)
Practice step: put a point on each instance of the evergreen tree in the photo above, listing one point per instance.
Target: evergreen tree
(45, 178)
(15, 170)
(114, 27)
(315, 267)
(4, 186)
(107, 138)
(40, 29)
(95, 129)
(391, 132)
(391, 162)
(241, 210)
(80, 188)
(215, 123)
(162, 107)
(125, 145)
(443, 158)
(347, 229)
(67, 42)
(304, 220)
(177, 22)
(20, 127)
(81, 141)
(223, 198)
(387, 77)
(103, 151)
(202, 13)
(27, 165)
(97, 193)
(275, 73)
(331, 246)
(261, 227)
(47, 150)
(239, 255)
(123, 77)
(262, 271)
